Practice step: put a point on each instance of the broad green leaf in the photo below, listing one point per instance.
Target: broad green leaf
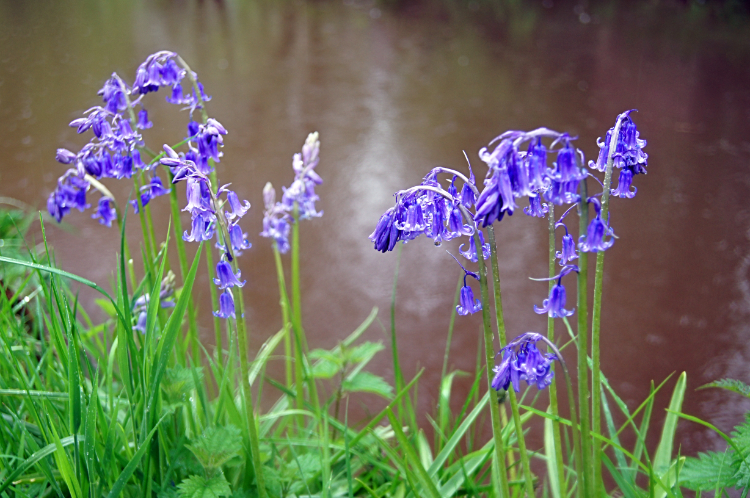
(709, 471)
(363, 352)
(368, 382)
(216, 446)
(201, 487)
(328, 364)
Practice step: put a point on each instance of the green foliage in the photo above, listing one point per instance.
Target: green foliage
(202, 487)
(216, 446)
(736, 386)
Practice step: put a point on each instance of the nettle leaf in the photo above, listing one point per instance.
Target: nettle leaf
(741, 438)
(327, 365)
(363, 352)
(273, 482)
(709, 470)
(368, 382)
(216, 446)
(201, 487)
(178, 383)
(301, 472)
(733, 385)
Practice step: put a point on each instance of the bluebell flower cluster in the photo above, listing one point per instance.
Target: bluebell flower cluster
(115, 149)
(430, 210)
(628, 155)
(278, 216)
(522, 360)
(213, 214)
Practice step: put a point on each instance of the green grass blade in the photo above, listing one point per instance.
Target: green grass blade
(33, 459)
(663, 455)
(428, 486)
(133, 463)
(550, 451)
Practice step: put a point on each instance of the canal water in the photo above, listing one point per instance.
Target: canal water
(395, 89)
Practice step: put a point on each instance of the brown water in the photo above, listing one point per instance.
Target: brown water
(394, 91)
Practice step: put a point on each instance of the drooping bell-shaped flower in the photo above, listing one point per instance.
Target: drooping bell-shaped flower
(238, 239)
(472, 254)
(386, 233)
(467, 304)
(226, 305)
(628, 151)
(568, 252)
(536, 207)
(624, 183)
(238, 208)
(597, 232)
(105, 212)
(225, 277)
(143, 121)
(565, 176)
(202, 228)
(554, 305)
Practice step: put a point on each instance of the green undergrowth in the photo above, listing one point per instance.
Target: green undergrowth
(96, 409)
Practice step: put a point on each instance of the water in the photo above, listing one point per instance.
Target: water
(395, 90)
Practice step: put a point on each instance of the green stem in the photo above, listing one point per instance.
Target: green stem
(149, 259)
(214, 303)
(182, 258)
(553, 387)
(297, 313)
(451, 325)
(247, 394)
(585, 480)
(524, 456)
(399, 379)
(596, 317)
(284, 303)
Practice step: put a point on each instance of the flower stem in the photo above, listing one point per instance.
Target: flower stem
(596, 316)
(523, 454)
(284, 303)
(584, 479)
(399, 379)
(553, 387)
(246, 393)
(297, 313)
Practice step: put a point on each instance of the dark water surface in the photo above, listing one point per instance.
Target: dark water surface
(394, 91)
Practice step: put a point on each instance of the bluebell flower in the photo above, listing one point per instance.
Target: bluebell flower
(154, 188)
(237, 238)
(209, 139)
(497, 198)
(105, 212)
(202, 228)
(65, 156)
(386, 233)
(536, 160)
(225, 277)
(226, 305)
(568, 252)
(238, 208)
(113, 95)
(70, 193)
(624, 183)
(522, 360)
(565, 176)
(472, 254)
(597, 232)
(275, 219)
(140, 306)
(536, 207)
(554, 305)
(143, 122)
(467, 304)
(198, 195)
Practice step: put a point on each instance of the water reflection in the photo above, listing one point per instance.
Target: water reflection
(394, 91)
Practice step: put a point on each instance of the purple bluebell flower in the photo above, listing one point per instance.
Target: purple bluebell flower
(536, 207)
(226, 305)
(536, 160)
(156, 72)
(225, 277)
(568, 252)
(497, 198)
(105, 212)
(624, 183)
(198, 195)
(471, 254)
(238, 240)
(275, 220)
(597, 232)
(522, 360)
(153, 188)
(56, 206)
(193, 128)
(565, 176)
(554, 305)
(70, 193)
(65, 156)
(209, 139)
(113, 95)
(467, 304)
(238, 208)
(143, 122)
(386, 233)
(203, 227)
